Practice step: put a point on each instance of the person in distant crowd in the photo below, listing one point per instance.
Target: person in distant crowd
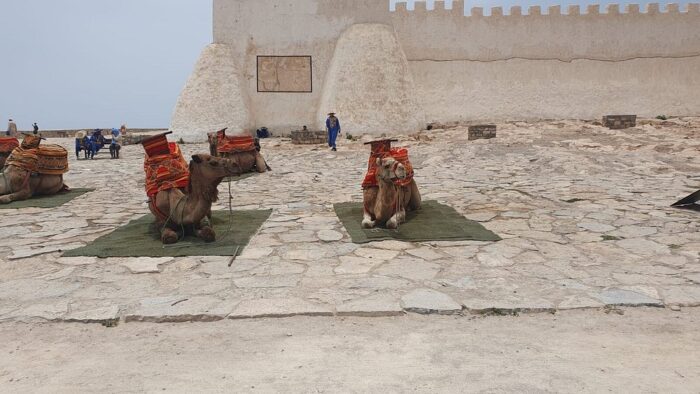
(333, 128)
(122, 130)
(11, 128)
(36, 128)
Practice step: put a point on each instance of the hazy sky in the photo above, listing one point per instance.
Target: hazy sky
(99, 63)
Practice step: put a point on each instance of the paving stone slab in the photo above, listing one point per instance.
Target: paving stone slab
(619, 297)
(284, 307)
(174, 309)
(371, 306)
(427, 301)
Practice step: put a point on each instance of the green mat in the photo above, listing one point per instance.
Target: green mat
(433, 222)
(139, 238)
(47, 201)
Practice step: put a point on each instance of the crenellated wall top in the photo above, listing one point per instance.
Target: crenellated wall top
(459, 8)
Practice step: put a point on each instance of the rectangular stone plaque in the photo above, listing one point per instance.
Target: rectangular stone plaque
(619, 121)
(285, 74)
(482, 131)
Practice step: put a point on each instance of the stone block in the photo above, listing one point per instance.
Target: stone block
(484, 131)
(309, 137)
(428, 301)
(617, 122)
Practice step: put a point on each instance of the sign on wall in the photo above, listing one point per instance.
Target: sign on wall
(285, 74)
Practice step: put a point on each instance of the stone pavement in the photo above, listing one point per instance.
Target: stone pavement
(583, 212)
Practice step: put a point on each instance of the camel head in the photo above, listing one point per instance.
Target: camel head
(388, 169)
(212, 167)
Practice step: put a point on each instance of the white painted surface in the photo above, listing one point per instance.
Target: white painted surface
(369, 84)
(581, 65)
(212, 99)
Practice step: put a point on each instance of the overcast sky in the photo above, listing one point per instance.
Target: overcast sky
(100, 63)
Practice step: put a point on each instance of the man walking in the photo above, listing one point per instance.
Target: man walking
(11, 128)
(333, 128)
(36, 128)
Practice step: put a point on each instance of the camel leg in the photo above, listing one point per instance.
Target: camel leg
(415, 202)
(206, 233)
(393, 222)
(367, 221)
(168, 236)
(17, 196)
(260, 163)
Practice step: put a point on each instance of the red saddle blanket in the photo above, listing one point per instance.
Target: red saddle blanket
(8, 144)
(233, 144)
(382, 151)
(165, 171)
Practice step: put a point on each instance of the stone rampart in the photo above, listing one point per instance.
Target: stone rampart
(529, 64)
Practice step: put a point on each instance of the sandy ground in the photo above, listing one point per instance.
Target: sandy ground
(635, 350)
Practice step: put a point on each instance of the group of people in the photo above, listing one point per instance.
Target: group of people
(12, 128)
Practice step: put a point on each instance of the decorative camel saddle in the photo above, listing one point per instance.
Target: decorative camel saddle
(49, 159)
(381, 149)
(164, 165)
(233, 144)
(7, 145)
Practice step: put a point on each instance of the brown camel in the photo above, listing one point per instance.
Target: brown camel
(387, 203)
(249, 161)
(18, 184)
(186, 208)
(19, 179)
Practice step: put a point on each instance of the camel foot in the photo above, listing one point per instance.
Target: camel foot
(393, 223)
(5, 200)
(207, 234)
(367, 223)
(168, 237)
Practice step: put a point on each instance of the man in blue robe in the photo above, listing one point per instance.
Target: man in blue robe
(333, 128)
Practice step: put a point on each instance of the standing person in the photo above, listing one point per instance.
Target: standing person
(11, 128)
(333, 128)
(36, 128)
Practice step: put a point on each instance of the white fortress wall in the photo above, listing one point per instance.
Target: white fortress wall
(289, 28)
(581, 65)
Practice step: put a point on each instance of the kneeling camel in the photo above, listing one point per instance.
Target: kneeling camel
(387, 203)
(187, 208)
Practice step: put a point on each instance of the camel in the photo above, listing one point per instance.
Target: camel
(249, 161)
(19, 179)
(186, 208)
(18, 184)
(387, 203)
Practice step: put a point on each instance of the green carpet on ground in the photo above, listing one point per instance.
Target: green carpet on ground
(140, 238)
(47, 201)
(433, 222)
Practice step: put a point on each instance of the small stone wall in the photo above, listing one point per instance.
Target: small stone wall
(483, 131)
(619, 121)
(308, 137)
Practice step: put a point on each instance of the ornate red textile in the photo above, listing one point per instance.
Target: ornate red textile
(53, 159)
(164, 172)
(156, 146)
(23, 158)
(30, 141)
(233, 144)
(379, 149)
(382, 149)
(8, 144)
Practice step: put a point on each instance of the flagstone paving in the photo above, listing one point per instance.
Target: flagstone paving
(583, 212)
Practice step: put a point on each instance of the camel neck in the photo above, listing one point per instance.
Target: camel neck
(203, 189)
